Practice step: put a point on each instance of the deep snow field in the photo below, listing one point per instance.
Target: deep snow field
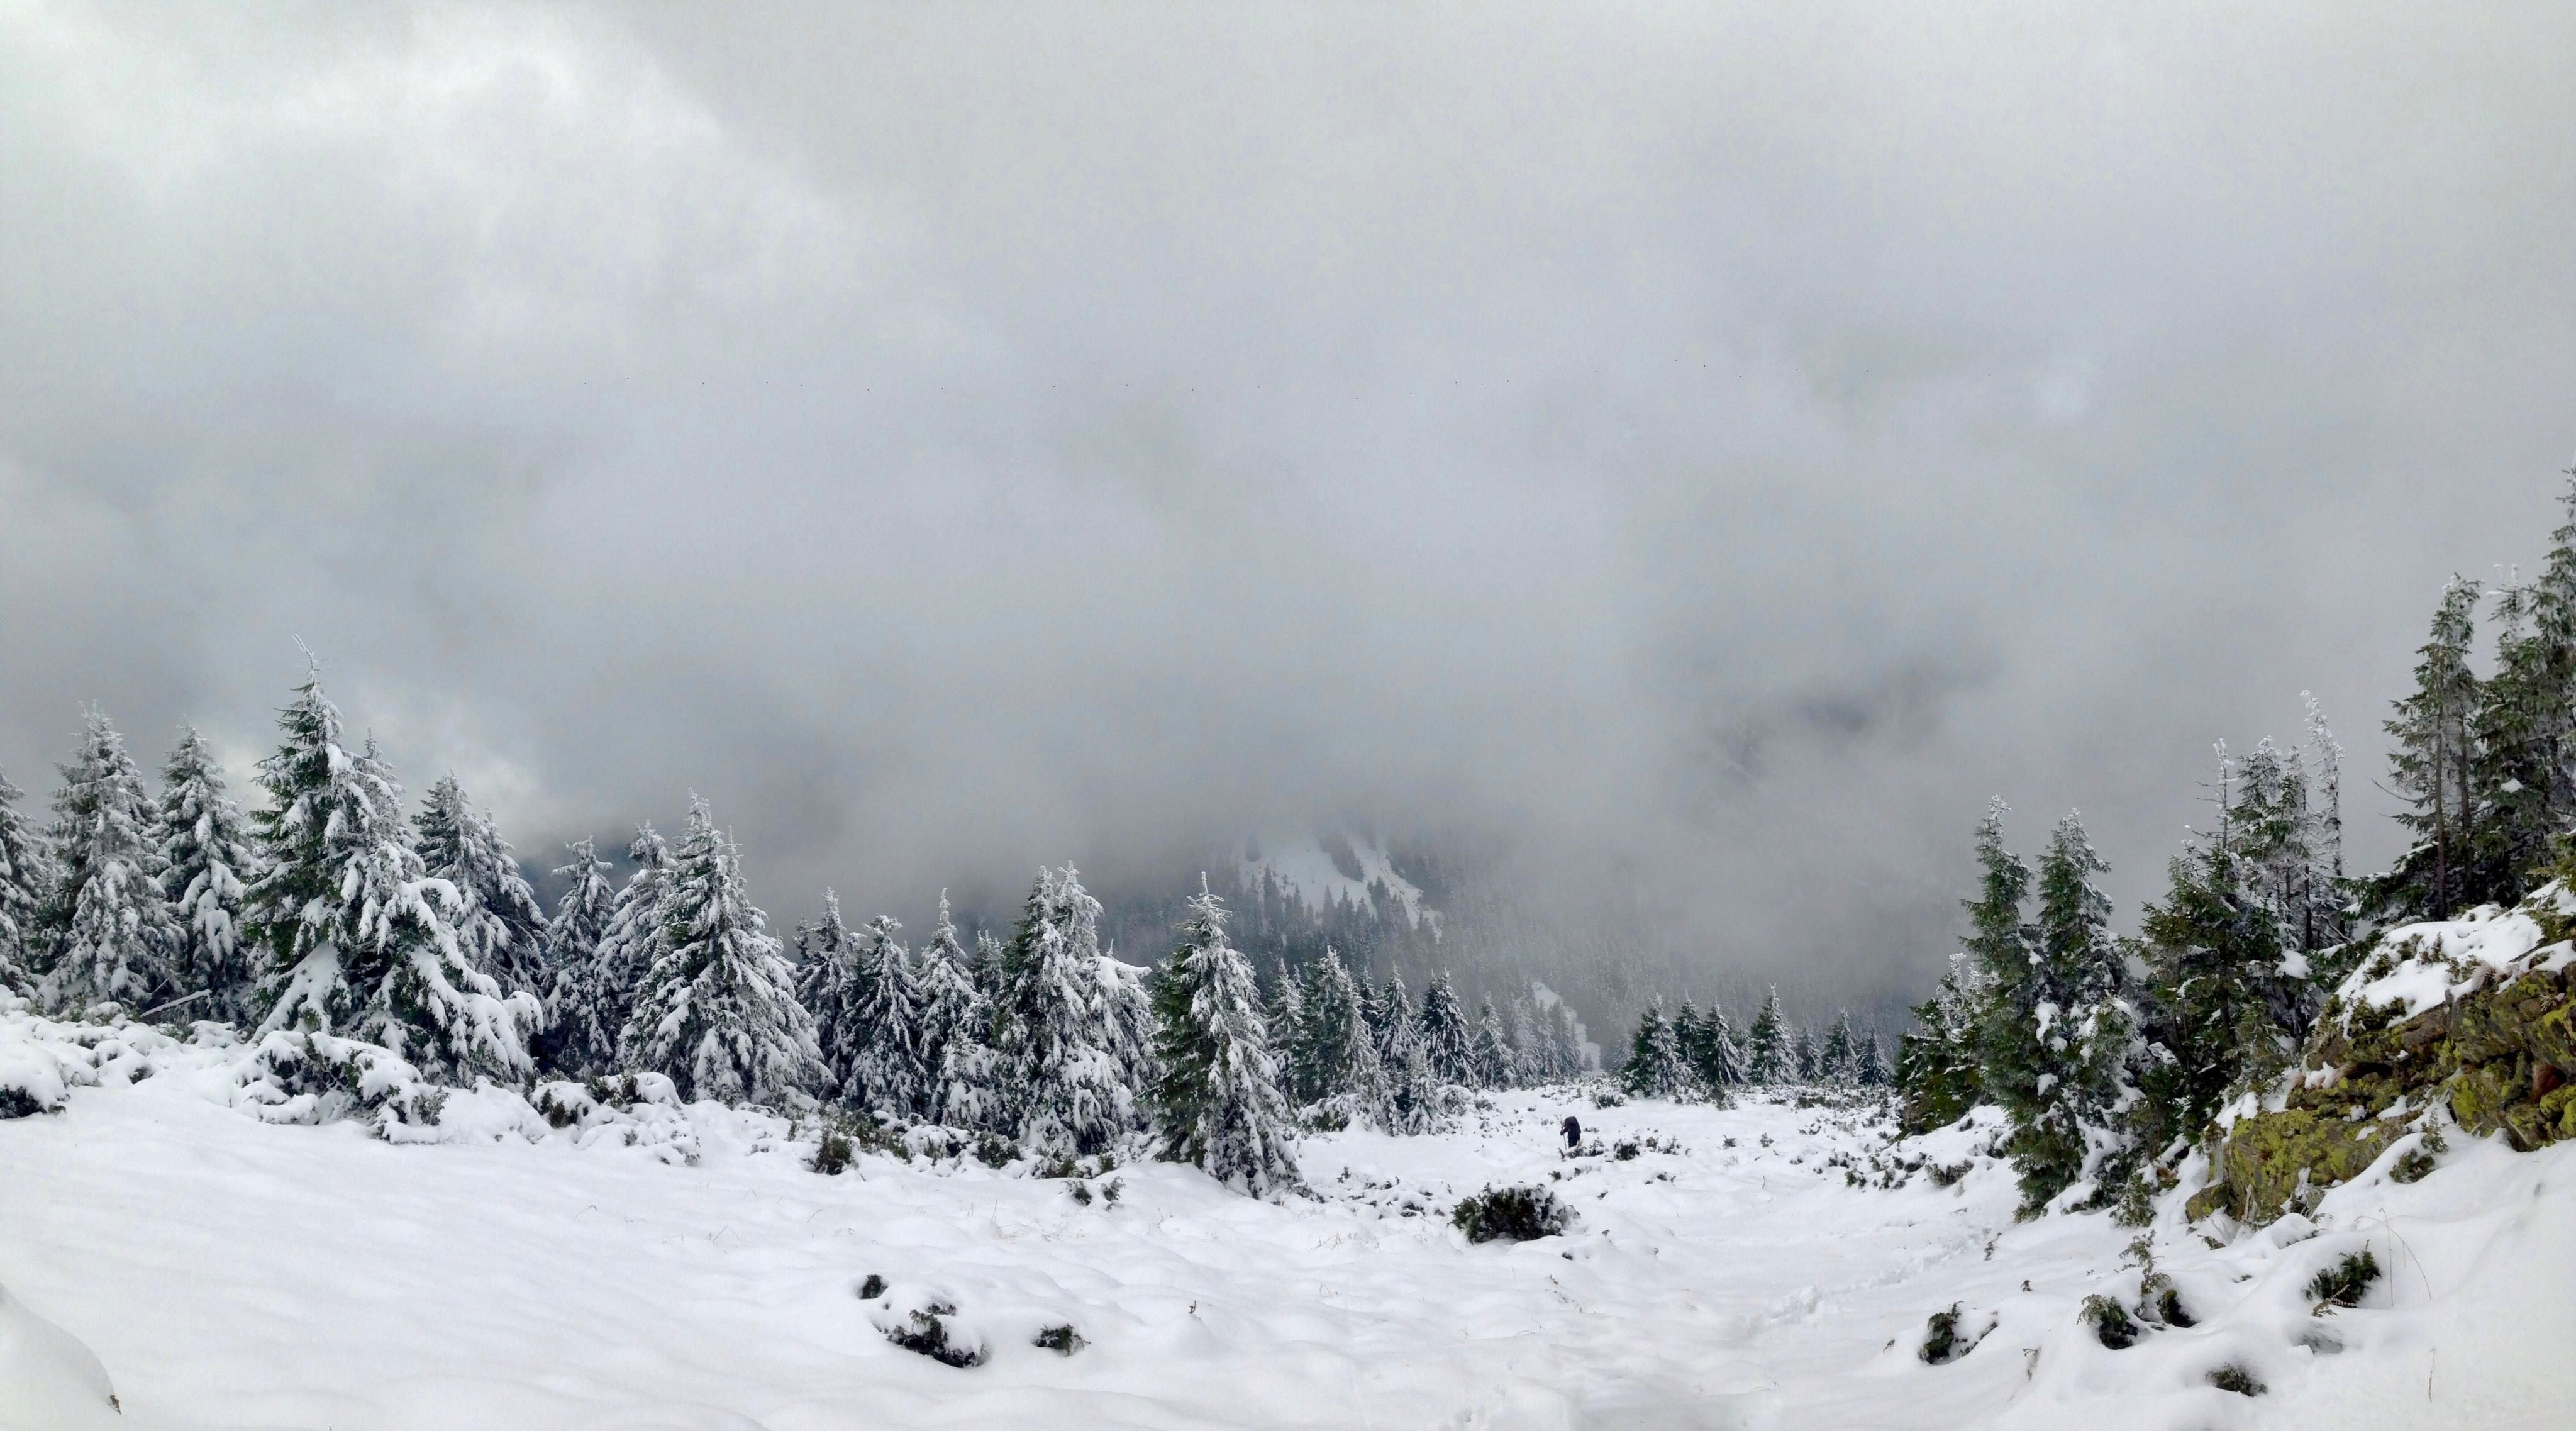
(230, 1272)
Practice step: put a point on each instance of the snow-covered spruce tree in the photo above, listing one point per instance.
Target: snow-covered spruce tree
(1495, 1066)
(593, 998)
(2057, 1028)
(498, 921)
(1445, 1035)
(1530, 1052)
(1416, 1097)
(353, 931)
(581, 920)
(2432, 766)
(1349, 1079)
(888, 1071)
(1655, 1066)
(1719, 1058)
(1768, 1059)
(1802, 1054)
(1574, 1058)
(1938, 1075)
(1217, 1101)
(2326, 917)
(1127, 1004)
(2523, 766)
(1839, 1060)
(717, 1013)
(828, 984)
(207, 857)
(1287, 1014)
(1068, 1092)
(26, 873)
(1872, 1069)
(109, 933)
(966, 1090)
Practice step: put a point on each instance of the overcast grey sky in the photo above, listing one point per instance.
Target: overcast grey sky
(1724, 443)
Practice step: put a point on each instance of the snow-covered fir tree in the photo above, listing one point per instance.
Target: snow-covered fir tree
(2433, 767)
(1217, 1102)
(1287, 1015)
(109, 934)
(1802, 1053)
(1939, 1072)
(1767, 1056)
(965, 1089)
(1655, 1067)
(888, 1070)
(1340, 1055)
(1839, 1060)
(717, 1012)
(1494, 1065)
(498, 921)
(1446, 1037)
(1719, 1057)
(828, 984)
(571, 945)
(207, 859)
(1530, 1051)
(1872, 1071)
(1068, 1088)
(592, 997)
(353, 931)
(2057, 1030)
(1417, 1099)
(26, 873)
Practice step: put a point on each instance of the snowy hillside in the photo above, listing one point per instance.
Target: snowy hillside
(1336, 867)
(680, 1267)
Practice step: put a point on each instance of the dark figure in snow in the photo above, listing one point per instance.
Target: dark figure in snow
(1573, 1132)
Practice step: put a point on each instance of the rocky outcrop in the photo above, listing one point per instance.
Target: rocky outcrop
(2476, 1016)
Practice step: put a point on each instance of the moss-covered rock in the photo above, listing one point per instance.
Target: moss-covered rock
(2477, 1015)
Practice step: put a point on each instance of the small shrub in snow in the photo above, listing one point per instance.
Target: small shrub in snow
(1941, 1337)
(872, 1288)
(1516, 1214)
(18, 1103)
(832, 1155)
(2232, 1377)
(2110, 1322)
(1625, 1150)
(2343, 1284)
(927, 1333)
(2160, 1301)
(1948, 1174)
(1608, 1100)
(992, 1152)
(1110, 1191)
(1062, 1339)
(1082, 1194)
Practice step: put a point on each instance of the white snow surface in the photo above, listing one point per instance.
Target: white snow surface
(228, 1271)
(2424, 965)
(1305, 866)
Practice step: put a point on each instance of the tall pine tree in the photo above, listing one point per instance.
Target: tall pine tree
(26, 873)
(2433, 763)
(1767, 1056)
(207, 857)
(1217, 1102)
(109, 934)
(966, 1090)
(498, 922)
(888, 1070)
(581, 920)
(717, 1013)
(828, 984)
(593, 997)
(1446, 1038)
(1655, 1067)
(354, 932)
(1068, 1088)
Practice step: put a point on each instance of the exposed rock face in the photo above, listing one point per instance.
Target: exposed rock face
(2476, 1014)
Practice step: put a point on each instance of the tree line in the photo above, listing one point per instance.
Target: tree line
(327, 918)
(2111, 1054)
(1693, 1055)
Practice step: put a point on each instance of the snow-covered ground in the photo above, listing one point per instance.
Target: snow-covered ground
(226, 1271)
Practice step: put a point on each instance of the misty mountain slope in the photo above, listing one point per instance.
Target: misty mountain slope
(226, 1271)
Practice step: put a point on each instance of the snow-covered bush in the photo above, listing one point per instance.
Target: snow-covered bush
(1512, 1214)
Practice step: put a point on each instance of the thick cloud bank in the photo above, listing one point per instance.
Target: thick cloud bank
(1701, 452)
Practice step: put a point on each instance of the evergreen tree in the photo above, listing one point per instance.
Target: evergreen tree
(109, 932)
(1802, 1053)
(1530, 1049)
(888, 1070)
(1939, 1075)
(353, 931)
(1767, 1056)
(1348, 1076)
(1495, 1067)
(2058, 1030)
(1446, 1038)
(571, 944)
(592, 998)
(2325, 921)
(1720, 1060)
(2432, 766)
(828, 984)
(1572, 1056)
(2522, 749)
(1217, 1102)
(1873, 1063)
(206, 854)
(1069, 1091)
(1690, 1033)
(1839, 1060)
(966, 1091)
(1288, 1031)
(717, 1012)
(26, 874)
(498, 922)
(1655, 1068)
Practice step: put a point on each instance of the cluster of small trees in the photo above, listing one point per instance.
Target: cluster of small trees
(1694, 1055)
(327, 913)
(2110, 1055)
